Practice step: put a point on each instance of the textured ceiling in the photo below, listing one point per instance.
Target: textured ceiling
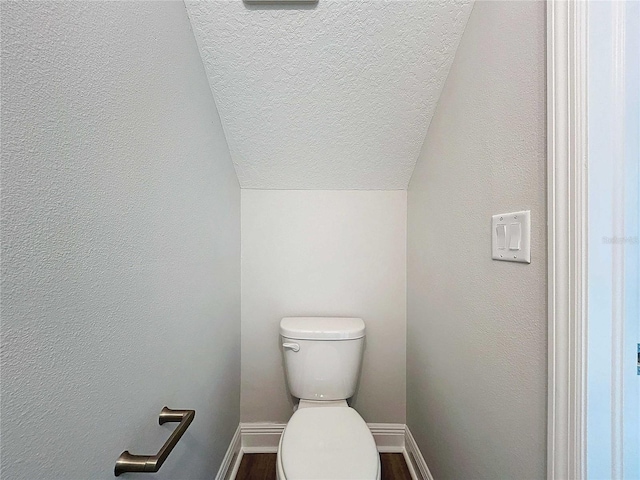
(338, 95)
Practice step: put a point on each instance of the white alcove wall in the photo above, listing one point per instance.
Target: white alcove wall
(323, 253)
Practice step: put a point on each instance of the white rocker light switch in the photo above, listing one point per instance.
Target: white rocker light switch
(501, 232)
(514, 236)
(511, 237)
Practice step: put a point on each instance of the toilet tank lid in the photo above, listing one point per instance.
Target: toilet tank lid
(322, 328)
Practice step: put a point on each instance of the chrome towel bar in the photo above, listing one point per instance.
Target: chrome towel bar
(144, 463)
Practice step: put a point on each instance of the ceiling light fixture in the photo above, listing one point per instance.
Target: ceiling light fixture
(280, 1)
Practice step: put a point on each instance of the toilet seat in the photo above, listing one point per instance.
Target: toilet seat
(327, 444)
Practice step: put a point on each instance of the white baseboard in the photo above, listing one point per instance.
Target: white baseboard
(261, 437)
(389, 437)
(265, 437)
(231, 461)
(415, 460)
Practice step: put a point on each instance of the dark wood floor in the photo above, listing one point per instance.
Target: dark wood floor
(262, 466)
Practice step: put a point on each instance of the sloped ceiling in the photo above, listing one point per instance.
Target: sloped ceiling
(336, 95)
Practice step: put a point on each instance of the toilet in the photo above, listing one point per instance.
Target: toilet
(325, 439)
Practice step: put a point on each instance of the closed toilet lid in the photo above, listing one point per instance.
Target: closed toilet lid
(328, 443)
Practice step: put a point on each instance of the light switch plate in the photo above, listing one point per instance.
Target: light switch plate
(511, 237)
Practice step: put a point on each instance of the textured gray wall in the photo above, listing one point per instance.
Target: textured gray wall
(120, 242)
(476, 341)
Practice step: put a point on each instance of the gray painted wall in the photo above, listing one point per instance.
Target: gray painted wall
(476, 340)
(120, 242)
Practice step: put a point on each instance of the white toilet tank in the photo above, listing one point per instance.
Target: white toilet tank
(322, 356)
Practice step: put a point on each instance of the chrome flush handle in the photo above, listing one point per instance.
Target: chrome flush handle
(291, 346)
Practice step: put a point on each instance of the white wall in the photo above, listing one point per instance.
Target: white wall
(323, 253)
(120, 242)
(476, 339)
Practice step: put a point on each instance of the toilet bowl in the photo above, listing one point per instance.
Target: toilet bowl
(327, 443)
(325, 439)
